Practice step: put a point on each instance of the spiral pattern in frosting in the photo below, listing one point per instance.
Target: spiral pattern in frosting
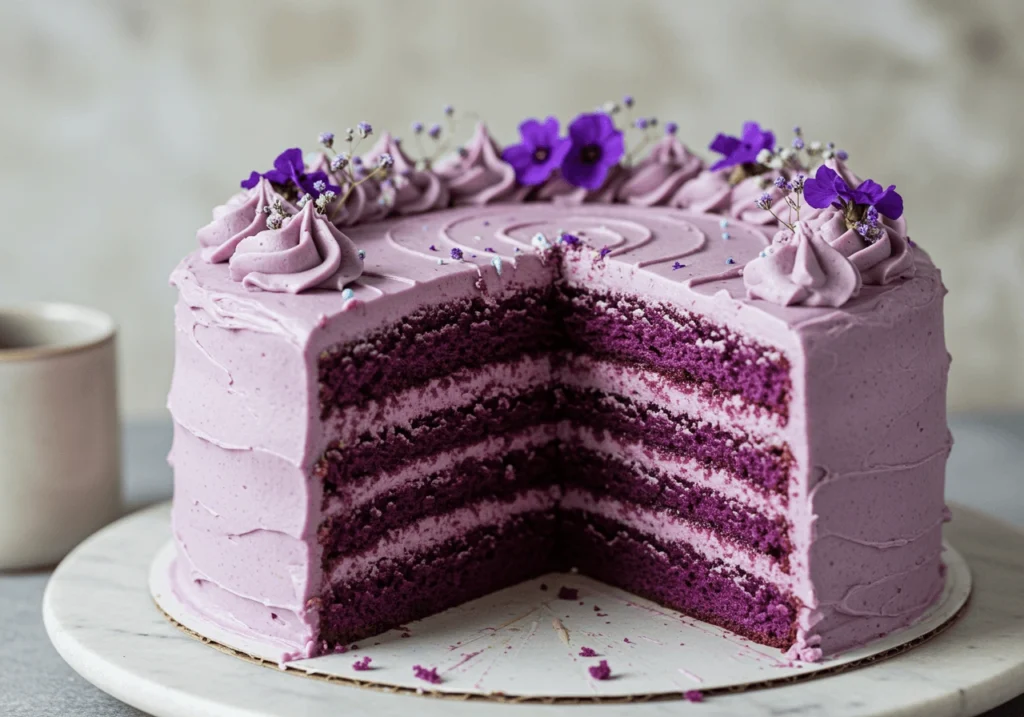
(308, 252)
(244, 215)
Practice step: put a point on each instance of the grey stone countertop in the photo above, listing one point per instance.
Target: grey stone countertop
(985, 473)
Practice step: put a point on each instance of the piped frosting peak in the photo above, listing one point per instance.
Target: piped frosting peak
(305, 252)
(605, 156)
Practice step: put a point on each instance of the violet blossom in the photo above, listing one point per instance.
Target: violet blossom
(290, 170)
(827, 187)
(540, 152)
(744, 149)
(596, 147)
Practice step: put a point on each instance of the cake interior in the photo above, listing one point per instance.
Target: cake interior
(479, 443)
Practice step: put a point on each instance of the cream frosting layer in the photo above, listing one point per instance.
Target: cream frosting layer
(867, 399)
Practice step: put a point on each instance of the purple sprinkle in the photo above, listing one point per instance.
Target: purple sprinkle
(677, 266)
(456, 254)
(600, 671)
(569, 239)
(605, 251)
(730, 261)
(362, 665)
(488, 249)
(565, 593)
(694, 696)
(433, 248)
(426, 675)
(587, 652)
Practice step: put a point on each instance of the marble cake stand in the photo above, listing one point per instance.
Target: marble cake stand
(101, 618)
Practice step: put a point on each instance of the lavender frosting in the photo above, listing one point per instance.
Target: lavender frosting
(415, 191)
(865, 503)
(656, 178)
(800, 267)
(244, 215)
(477, 174)
(308, 252)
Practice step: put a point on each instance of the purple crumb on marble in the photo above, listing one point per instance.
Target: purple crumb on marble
(694, 696)
(600, 671)
(626, 639)
(677, 265)
(426, 675)
(588, 652)
(433, 248)
(362, 665)
(565, 593)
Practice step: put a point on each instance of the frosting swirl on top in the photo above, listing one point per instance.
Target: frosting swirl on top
(559, 191)
(415, 190)
(308, 252)
(655, 179)
(743, 201)
(244, 215)
(364, 203)
(881, 261)
(707, 192)
(801, 268)
(477, 174)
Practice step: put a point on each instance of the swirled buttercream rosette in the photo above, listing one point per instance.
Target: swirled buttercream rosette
(307, 252)
(477, 174)
(801, 268)
(244, 215)
(414, 190)
(657, 177)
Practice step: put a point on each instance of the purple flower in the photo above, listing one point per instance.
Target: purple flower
(741, 150)
(540, 152)
(290, 169)
(827, 187)
(596, 146)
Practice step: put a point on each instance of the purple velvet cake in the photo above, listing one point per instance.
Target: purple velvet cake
(401, 384)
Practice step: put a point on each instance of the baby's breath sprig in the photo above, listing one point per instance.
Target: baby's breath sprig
(276, 214)
(349, 165)
(440, 139)
(792, 192)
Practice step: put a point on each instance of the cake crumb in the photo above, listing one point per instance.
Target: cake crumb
(600, 671)
(694, 696)
(544, 587)
(426, 675)
(565, 593)
(627, 641)
(597, 609)
(340, 649)
(587, 652)
(362, 665)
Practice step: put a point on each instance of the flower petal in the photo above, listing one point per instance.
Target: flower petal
(586, 128)
(724, 144)
(252, 181)
(520, 156)
(890, 204)
(820, 191)
(290, 162)
(613, 147)
(533, 133)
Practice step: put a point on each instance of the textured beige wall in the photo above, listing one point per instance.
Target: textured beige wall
(123, 122)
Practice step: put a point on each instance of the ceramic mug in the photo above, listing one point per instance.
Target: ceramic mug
(60, 464)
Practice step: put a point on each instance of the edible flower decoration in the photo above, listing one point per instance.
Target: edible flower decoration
(595, 147)
(744, 154)
(290, 176)
(860, 205)
(540, 152)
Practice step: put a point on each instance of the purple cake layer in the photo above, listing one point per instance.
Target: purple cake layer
(434, 341)
(677, 577)
(461, 569)
(391, 446)
(683, 346)
(604, 475)
(765, 467)
(469, 481)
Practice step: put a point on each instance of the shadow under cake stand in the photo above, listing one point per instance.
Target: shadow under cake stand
(523, 644)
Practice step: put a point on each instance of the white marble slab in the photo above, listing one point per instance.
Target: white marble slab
(525, 642)
(99, 615)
